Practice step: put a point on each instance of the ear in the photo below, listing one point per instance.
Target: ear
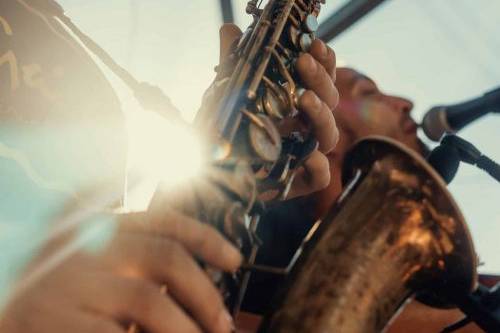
(228, 33)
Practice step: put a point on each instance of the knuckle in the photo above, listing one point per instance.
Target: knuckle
(168, 250)
(143, 301)
(307, 66)
(174, 262)
(310, 101)
(204, 238)
(322, 73)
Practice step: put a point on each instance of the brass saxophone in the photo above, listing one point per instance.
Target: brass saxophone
(395, 231)
(255, 90)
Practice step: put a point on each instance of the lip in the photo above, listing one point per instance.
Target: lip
(409, 126)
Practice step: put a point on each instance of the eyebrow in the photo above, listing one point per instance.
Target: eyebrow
(360, 76)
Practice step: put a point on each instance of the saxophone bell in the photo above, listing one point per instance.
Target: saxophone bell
(395, 232)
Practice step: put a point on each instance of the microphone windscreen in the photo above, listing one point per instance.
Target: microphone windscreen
(435, 123)
(445, 160)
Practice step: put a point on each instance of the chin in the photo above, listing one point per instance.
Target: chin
(414, 143)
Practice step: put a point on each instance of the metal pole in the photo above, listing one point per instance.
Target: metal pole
(227, 11)
(345, 17)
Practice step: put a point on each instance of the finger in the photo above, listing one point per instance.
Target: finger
(314, 175)
(198, 238)
(85, 322)
(315, 77)
(323, 54)
(133, 300)
(228, 33)
(167, 261)
(56, 315)
(321, 119)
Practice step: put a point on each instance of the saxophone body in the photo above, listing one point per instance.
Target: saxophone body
(257, 89)
(396, 231)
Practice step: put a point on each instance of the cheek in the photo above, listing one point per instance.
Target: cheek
(378, 119)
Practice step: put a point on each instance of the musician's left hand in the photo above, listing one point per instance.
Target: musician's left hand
(103, 291)
(317, 73)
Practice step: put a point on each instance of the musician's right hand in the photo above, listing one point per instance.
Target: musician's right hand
(105, 292)
(316, 70)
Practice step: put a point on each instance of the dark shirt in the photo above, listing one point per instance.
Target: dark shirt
(282, 230)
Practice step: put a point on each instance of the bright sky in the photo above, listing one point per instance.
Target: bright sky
(434, 52)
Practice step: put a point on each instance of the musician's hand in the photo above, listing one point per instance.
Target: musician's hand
(317, 72)
(104, 292)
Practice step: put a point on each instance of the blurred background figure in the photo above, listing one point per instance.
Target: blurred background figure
(61, 128)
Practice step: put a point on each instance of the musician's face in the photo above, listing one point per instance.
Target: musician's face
(365, 110)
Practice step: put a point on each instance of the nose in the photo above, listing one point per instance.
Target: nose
(401, 104)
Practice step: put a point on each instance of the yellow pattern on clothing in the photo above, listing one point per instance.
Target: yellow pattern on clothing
(10, 58)
(6, 26)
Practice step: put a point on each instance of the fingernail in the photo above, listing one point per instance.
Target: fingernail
(225, 322)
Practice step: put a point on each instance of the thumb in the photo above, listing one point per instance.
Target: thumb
(228, 34)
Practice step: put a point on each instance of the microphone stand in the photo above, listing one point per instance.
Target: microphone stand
(469, 154)
(487, 164)
(481, 306)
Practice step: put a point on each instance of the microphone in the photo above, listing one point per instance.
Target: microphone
(446, 158)
(450, 119)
